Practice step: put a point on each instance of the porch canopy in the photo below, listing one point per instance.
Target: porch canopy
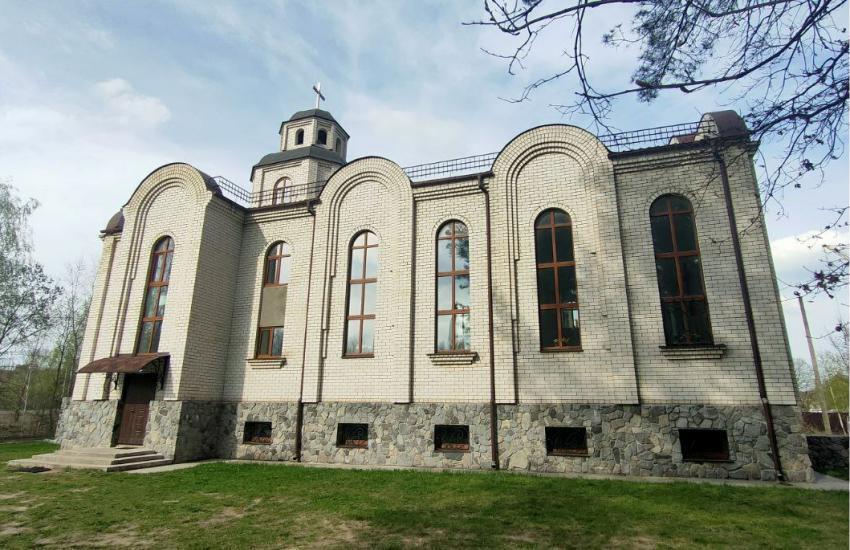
(129, 364)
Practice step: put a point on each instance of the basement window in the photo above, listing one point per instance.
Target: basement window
(451, 438)
(257, 433)
(564, 441)
(352, 436)
(704, 445)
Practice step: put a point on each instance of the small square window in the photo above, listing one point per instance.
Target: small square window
(704, 445)
(258, 433)
(354, 436)
(563, 441)
(451, 438)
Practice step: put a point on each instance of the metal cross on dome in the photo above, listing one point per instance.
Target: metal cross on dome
(319, 97)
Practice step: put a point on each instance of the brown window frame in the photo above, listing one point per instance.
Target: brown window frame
(277, 252)
(453, 273)
(160, 283)
(448, 431)
(362, 281)
(278, 259)
(267, 353)
(281, 192)
(346, 433)
(682, 299)
(555, 265)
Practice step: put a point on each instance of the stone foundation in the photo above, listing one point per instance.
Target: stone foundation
(621, 439)
(87, 424)
(828, 452)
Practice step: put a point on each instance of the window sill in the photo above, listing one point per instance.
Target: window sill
(451, 450)
(362, 447)
(561, 350)
(267, 362)
(358, 356)
(453, 358)
(693, 353)
(712, 460)
(255, 443)
(577, 454)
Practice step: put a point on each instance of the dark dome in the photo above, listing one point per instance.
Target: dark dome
(115, 224)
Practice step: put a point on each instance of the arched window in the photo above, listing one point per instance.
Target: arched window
(362, 294)
(684, 308)
(338, 145)
(282, 192)
(323, 137)
(453, 287)
(156, 294)
(299, 137)
(557, 294)
(273, 301)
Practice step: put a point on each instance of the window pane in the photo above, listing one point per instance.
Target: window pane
(271, 269)
(159, 263)
(561, 217)
(460, 229)
(145, 337)
(263, 344)
(157, 328)
(444, 255)
(369, 298)
(444, 292)
(163, 297)
(567, 284)
(685, 234)
(668, 285)
(372, 256)
(661, 238)
(679, 203)
(354, 297)
(162, 245)
(461, 254)
(277, 342)
(150, 302)
(546, 286)
(564, 244)
(446, 230)
(461, 291)
(544, 219)
(283, 278)
(357, 263)
(659, 206)
(691, 275)
(462, 331)
(548, 328)
(699, 328)
(570, 327)
(444, 335)
(368, 336)
(167, 271)
(360, 240)
(674, 327)
(543, 245)
(352, 337)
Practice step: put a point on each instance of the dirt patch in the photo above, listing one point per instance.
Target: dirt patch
(226, 514)
(14, 509)
(11, 529)
(80, 490)
(638, 542)
(10, 496)
(125, 538)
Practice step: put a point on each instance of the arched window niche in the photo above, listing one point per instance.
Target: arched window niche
(299, 137)
(282, 192)
(453, 288)
(678, 268)
(363, 258)
(322, 138)
(156, 296)
(270, 330)
(557, 288)
(338, 145)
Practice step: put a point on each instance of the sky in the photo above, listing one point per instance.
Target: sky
(95, 95)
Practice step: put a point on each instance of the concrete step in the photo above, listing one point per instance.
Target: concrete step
(28, 463)
(103, 459)
(110, 452)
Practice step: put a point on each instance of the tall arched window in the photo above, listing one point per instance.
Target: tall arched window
(156, 294)
(299, 137)
(453, 287)
(282, 192)
(273, 301)
(338, 145)
(362, 294)
(323, 137)
(557, 293)
(684, 308)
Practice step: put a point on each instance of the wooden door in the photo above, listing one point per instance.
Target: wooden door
(139, 391)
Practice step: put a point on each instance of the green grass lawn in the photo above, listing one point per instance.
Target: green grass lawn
(257, 506)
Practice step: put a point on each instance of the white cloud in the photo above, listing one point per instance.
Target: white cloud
(792, 255)
(130, 107)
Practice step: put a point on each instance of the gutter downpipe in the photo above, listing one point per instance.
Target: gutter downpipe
(299, 415)
(494, 417)
(748, 312)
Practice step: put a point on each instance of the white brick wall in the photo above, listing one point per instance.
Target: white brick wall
(211, 318)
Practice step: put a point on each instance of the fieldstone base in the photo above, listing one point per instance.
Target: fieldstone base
(828, 452)
(621, 439)
(87, 424)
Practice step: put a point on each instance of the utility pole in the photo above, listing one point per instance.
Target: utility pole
(818, 386)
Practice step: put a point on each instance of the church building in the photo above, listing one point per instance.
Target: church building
(572, 303)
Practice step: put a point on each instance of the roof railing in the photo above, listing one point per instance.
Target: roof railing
(619, 142)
